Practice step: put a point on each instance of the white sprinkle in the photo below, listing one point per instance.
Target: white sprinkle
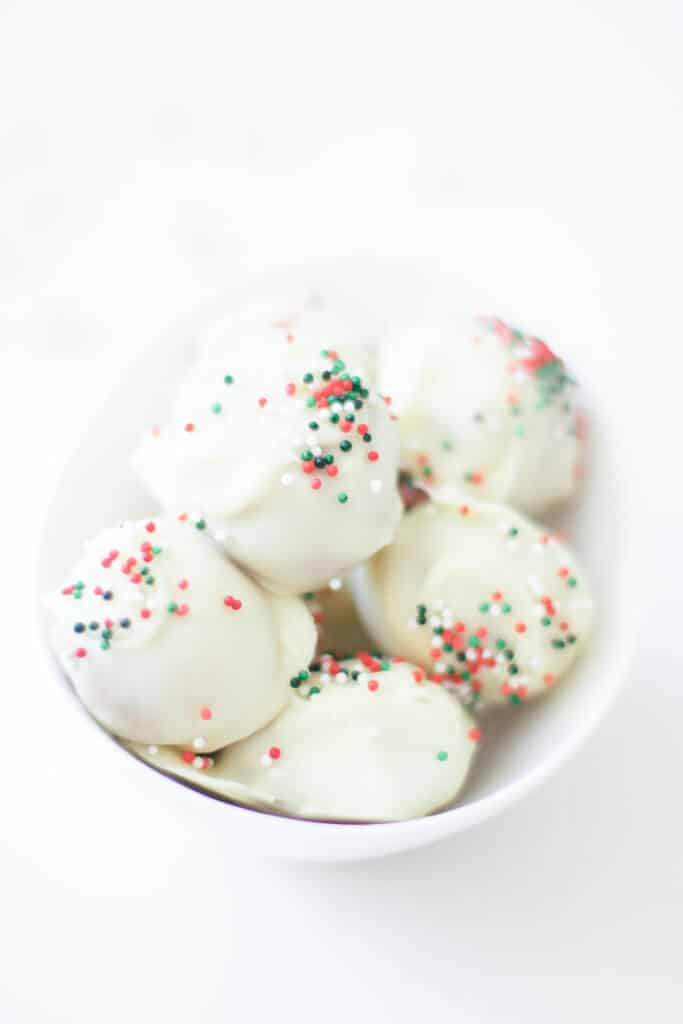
(494, 609)
(199, 743)
(286, 479)
(437, 641)
(198, 762)
(349, 407)
(325, 678)
(335, 583)
(363, 678)
(317, 450)
(376, 486)
(323, 414)
(152, 750)
(440, 666)
(266, 760)
(341, 677)
(471, 655)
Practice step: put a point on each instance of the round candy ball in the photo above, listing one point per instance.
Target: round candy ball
(166, 641)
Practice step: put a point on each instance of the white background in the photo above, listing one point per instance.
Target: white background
(152, 155)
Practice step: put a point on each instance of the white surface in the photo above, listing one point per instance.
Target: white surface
(147, 160)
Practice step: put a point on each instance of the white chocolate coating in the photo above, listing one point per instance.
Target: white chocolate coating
(170, 661)
(233, 453)
(352, 752)
(484, 408)
(505, 609)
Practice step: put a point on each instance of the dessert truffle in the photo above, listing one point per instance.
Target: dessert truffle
(486, 408)
(166, 641)
(491, 604)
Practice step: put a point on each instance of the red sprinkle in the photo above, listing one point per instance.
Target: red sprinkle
(475, 734)
(373, 685)
(262, 402)
(150, 527)
(275, 752)
(316, 483)
(206, 714)
(520, 628)
(80, 652)
(188, 756)
(189, 427)
(332, 470)
(373, 456)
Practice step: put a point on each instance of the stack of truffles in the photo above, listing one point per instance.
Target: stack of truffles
(342, 582)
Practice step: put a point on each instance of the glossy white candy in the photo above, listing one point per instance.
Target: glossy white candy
(506, 608)
(232, 453)
(176, 664)
(352, 752)
(485, 408)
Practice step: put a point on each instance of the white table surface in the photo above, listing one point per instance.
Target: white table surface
(151, 155)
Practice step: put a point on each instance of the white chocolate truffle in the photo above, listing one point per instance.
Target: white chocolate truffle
(341, 630)
(484, 408)
(490, 603)
(293, 464)
(359, 741)
(166, 642)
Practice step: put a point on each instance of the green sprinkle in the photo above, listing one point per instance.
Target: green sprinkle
(310, 402)
(216, 407)
(442, 755)
(474, 641)
(201, 524)
(295, 683)
(572, 581)
(513, 531)
(156, 551)
(313, 425)
(303, 676)
(172, 607)
(307, 378)
(515, 698)
(506, 608)
(345, 446)
(306, 456)
(342, 498)
(484, 606)
(228, 379)
(313, 689)
(545, 621)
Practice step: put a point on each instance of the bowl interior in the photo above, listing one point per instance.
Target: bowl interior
(522, 746)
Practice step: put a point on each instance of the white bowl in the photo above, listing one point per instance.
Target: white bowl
(523, 747)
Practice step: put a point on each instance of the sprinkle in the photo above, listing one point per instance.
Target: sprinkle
(206, 714)
(232, 602)
(80, 652)
(373, 685)
(216, 408)
(335, 583)
(188, 756)
(182, 609)
(376, 486)
(199, 743)
(342, 498)
(228, 379)
(475, 735)
(189, 428)
(286, 479)
(316, 483)
(183, 584)
(275, 753)
(442, 755)
(262, 402)
(373, 456)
